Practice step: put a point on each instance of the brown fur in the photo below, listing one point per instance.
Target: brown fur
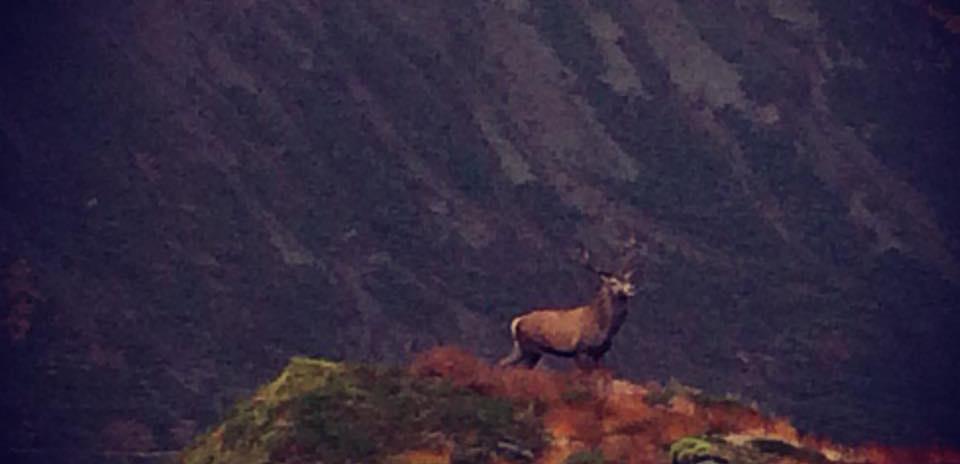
(584, 332)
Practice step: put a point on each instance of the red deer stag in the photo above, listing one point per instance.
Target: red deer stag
(584, 333)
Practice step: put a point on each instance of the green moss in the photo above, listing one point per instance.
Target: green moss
(731, 449)
(690, 448)
(779, 448)
(575, 394)
(662, 396)
(585, 457)
(332, 412)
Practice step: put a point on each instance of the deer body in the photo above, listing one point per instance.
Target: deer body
(584, 333)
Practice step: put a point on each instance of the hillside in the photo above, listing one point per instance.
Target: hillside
(450, 407)
(191, 193)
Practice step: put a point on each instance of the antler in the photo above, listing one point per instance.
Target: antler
(631, 252)
(585, 260)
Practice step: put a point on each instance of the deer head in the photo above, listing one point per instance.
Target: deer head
(619, 284)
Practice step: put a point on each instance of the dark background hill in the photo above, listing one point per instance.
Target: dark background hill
(192, 192)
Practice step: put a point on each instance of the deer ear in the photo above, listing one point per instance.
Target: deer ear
(628, 274)
(606, 276)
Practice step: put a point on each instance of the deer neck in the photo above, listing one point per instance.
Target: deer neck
(606, 309)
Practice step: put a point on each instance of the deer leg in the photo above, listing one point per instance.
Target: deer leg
(524, 356)
(513, 358)
(531, 358)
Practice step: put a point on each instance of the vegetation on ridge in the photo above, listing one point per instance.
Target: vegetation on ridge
(450, 407)
(335, 412)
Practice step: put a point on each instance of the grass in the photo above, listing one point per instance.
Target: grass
(331, 412)
(451, 407)
(585, 457)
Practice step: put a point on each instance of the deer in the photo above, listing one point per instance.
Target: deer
(584, 333)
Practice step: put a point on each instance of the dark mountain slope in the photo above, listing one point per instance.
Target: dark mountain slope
(193, 192)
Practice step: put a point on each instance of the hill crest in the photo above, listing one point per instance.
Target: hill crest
(449, 406)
